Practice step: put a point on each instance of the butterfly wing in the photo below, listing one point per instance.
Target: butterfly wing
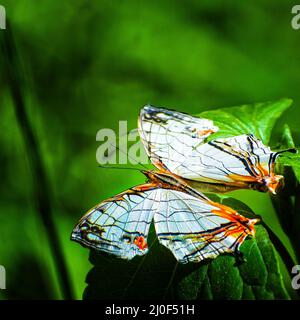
(168, 135)
(195, 228)
(119, 225)
(242, 161)
(238, 162)
(192, 227)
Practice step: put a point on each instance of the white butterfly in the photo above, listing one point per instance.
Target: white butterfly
(187, 222)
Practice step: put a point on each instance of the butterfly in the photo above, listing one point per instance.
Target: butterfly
(186, 221)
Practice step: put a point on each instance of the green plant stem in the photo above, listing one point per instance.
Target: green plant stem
(41, 188)
(284, 254)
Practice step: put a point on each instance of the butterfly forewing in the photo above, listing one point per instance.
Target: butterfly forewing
(168, 135)
(119, 225)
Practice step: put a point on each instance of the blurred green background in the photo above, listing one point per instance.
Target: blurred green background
(88, 64)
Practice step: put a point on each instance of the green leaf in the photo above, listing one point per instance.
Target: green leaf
(287, 137)
(225, 279)
(289, 159)
(192, 282)
(274, 282)
(258, 119)
(150, 276)
(287, 203)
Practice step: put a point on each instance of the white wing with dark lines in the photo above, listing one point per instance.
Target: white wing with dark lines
(193, 228)
(220, 158)
(169, 135)
(119, 225)
(242, 161)
(176, 142)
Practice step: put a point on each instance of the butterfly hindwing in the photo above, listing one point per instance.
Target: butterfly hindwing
(195, 229)
(225, 159)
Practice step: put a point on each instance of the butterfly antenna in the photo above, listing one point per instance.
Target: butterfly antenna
(291, 150)
(122, 135)
(117, 148)
(276, 154)
(114, 167)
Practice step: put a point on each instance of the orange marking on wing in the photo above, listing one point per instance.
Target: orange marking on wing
(241, 178)
(263, 173)
(262, 170)
(243, 223)
(140, 242)
(237, 231)
(240, 229)
(202, 133)
(159, 165)
(145, 187)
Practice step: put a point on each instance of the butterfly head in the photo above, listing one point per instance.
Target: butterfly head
(273, 183)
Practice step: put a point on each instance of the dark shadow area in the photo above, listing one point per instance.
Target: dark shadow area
(29, 280)
(153, 276)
